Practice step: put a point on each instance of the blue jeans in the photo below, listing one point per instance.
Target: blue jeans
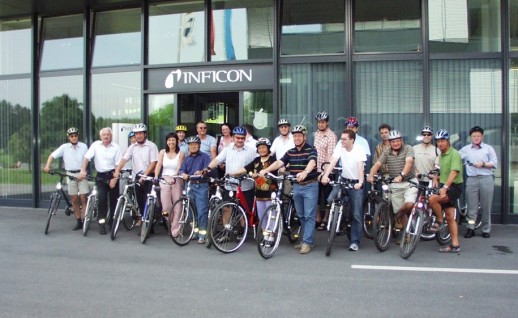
(200, 193)
(356, 199)
(306, 198)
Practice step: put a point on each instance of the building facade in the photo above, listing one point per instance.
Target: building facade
(113, 63)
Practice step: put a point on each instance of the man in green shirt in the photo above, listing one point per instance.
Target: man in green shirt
(450, 183)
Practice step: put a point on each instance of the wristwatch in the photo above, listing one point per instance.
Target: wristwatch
(402, 174)
(445, 186)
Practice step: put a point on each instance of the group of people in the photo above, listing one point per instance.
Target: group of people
(236, 152)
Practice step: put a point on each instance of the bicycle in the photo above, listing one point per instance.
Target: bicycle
(383, 220)
(336, 211)
(55, 198)
(369, 207)
(91, 205)
(275, 222)
(126, 210)
(148, 216)
(187, 220)
(229, 223)
(214, 201)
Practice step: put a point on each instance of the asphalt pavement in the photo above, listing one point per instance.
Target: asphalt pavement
(64, 274)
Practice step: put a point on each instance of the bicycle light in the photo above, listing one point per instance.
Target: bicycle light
(420, 204)
(274, 195)
(59, 186)
(385, 187)
(94, 191)
(231, 194)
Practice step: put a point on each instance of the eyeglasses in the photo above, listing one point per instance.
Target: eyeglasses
(202, 127)
(427, 135)
(73, 136)
(239, 138)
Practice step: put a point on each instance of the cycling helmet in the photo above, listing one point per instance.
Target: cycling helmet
(283, 121)
(394, 134)
(263, 141)
(427, 129)
(322, 116)
(442, 134)
(192, 139)
(299, 129)
(239, 131)
(352, 121)
(72, 130)
(181, 128)
(476, 129)
(139, 128)
(131, 134)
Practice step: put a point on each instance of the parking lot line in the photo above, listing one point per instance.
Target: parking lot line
(437, 269)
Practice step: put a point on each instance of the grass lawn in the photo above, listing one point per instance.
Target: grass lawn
(22, 176)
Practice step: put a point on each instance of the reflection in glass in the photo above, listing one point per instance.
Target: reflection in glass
(117, 38)
(312, 27)
(306, 89)
(258, 113)
(62, 43)
(513, 24)
(176, 32)
(15, 139)
(115, 100)
(162, 110)
(15, 47)
(387, 26)
(241, 30)
(513, 150)
(464, 26)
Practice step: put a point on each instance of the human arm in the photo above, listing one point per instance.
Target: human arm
(329, 168)
(159, 163)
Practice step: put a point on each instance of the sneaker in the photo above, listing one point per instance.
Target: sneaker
(297, 246)
(201, 240)
(305, 248)
(102, 229)
(353, 247)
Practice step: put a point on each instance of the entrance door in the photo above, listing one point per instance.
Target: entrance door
(213, 108)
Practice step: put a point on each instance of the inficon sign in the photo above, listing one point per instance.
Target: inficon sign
(202, 77)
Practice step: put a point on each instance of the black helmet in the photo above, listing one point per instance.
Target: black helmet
(322, 116)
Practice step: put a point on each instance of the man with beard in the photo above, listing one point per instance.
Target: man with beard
(425, 155)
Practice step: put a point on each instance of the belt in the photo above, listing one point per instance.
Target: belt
(303, 183)
(351, 180)
(106, 172)
(73, 171)
(481, 176)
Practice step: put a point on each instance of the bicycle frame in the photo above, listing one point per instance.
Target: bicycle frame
(241, 200)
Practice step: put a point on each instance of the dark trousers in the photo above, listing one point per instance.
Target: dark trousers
(103, 191)
(141, 191)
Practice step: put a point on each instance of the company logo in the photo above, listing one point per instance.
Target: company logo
(202, 77)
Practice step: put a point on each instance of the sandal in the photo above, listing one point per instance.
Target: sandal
(322, 226)
(450, 249)
(435, 227)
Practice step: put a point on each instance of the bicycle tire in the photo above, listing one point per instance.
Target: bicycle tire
(89, 213)
(368, 210)
(53, 207)
(294, 223)
(442, 236)
(382, 226)
(332, 230)
(117, 216)
(411, 234)
(227, 238)
(267, 247)
(129, 218)
(213, 204)
(427, 234)
(187, 222)
(147, 222)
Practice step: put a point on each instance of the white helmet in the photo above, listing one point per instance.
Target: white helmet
(394, 134)
(139, 128)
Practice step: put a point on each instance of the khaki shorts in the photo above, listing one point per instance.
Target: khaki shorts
(75, 187)
(401, 194)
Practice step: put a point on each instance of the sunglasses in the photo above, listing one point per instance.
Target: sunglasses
(427, 135)
(202, 127)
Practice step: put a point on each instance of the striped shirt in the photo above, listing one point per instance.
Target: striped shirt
(396, 162)
(298, 160)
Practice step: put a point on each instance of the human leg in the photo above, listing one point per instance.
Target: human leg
(309, 197)
(472, 200)
(487, 188)
(200, 193)
(356, 197)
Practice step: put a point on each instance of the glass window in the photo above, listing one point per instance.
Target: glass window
(162, 110)
(513, 21)
(176, 32)
(387, 26)
(241, 30)
(513, 150)
(465, 93)
(15, 45)
(61, 107)
(312, 27)
(115, 101)
(62, 43)
(306, 89)
(258, 113)
(15, 139)
(464, 26)
(117, 38)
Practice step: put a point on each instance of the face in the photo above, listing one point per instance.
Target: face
(225, 130)
(171, 143)
(298, 139)
(194, 147)
(133, 140)
(239, 140)
(427, 137)
(106, 136)
(284, 130)
(476, 138)
(443, 145)
(201, 129)
(346, 141)
(322, 125)
(140, 137)
(181, 135)
(384, 132)
(262, 150)
(396, 144)
(73, 138)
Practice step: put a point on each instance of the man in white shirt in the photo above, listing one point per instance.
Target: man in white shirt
(281, 144)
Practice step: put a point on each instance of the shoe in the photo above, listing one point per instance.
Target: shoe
(297, 246)
(201, 240)
(470, 233)
(450, 249)
(305, 248)
(353, 247)
(322, 226)
(399, 224)
(102, 229)
(78, 226)
(269, 241)
(486, 235)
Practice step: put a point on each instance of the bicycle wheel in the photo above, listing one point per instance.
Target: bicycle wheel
(442, 235)
(269, 232)
(229, 227)
(294, 224)
(53, 207)
(332, 230)
(427, 234)
(382, 226)
(89, 214)
(187, 222)
(213, 204)
(147, 222)
(117, 216)
(369, 208)
(129, 218)
(411, 234)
